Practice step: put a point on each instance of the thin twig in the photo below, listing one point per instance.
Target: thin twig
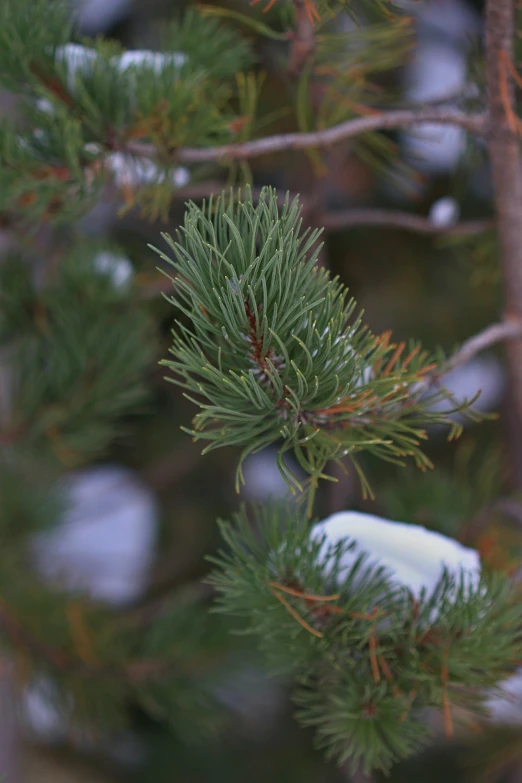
(509, 329)
(455, 96)
(496, 333)
(387, 120)
(139, 670)
(302, 42)
(306, 596)
(352, 218)
(292, 612)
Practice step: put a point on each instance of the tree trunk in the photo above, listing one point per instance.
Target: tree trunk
(506, 169)
(9, 739)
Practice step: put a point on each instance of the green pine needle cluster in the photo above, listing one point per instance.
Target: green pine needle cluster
(82, 104)
(270, 349)
(93, 666)
(368, 659)
(76, 354)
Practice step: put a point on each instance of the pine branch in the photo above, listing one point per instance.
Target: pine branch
(272, 350)
(389, 120)
(492, 335)
(339, 220)
(302, 41)
(80, 319)
(367, 655)
(352, 218)
(73, 658)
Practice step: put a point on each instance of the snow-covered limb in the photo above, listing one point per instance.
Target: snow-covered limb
(128, 170)
(134, 172)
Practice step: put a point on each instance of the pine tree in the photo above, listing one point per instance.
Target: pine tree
(270, 351)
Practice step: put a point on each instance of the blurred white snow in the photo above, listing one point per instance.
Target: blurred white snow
(484, 374)
(437, 71)
(412, 555)
(444, 212)
(104, 544)
(95, 16)
(505, 705)
(263, 478)
(117, 267)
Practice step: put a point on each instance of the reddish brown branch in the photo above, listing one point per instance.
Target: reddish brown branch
(492, 335)
(261, 360)
(10, 745)
(302, 38)
(506, 168)
(504, 331)
(25, 640)
(337, 221)
(387, 120)
(352, 218)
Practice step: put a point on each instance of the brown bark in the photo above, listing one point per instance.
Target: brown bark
(385, 120)
(9, 734)
(506, 168)
(303, 39)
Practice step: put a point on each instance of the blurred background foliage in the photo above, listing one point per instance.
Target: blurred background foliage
(436, 289)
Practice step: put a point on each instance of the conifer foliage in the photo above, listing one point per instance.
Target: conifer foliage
(276, 350)
(367, 657)
(266, 344)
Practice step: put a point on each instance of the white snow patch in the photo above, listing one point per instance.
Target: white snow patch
(444, 212)
(436, 71)
(412, 555)
(118, 267)
(40, 714)
(77, 59)
(505, 704)
(263, 477)
(104, 544)
(130, 171)
(157, 61)
(95, 16)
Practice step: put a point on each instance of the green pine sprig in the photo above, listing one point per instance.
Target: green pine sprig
(367, 658)
(271, 349)
(77, 353)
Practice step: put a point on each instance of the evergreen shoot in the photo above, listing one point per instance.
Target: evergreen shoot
(273, 350)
